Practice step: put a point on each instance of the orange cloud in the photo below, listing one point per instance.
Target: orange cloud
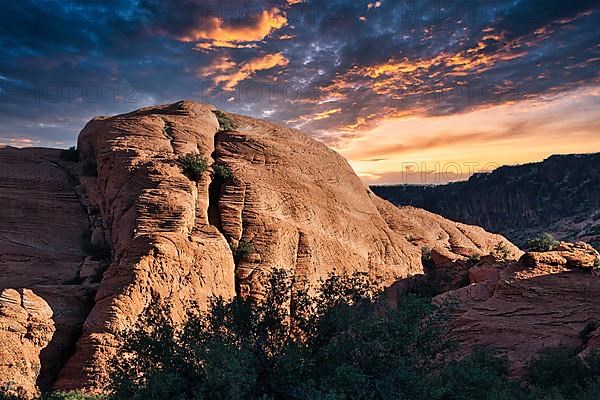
(219, 65)
(409, 76)
(326, 114)
(225, 44)
(223, 70)
(213, 32)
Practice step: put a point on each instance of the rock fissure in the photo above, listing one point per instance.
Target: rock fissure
(214, 213)
(216, 187)
(168, 132)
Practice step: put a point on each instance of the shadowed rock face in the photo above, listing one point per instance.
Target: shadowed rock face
(297, 202)
(41, 220)
(41, 224)
(545, 300)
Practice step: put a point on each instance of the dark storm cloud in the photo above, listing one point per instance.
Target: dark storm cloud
(319, 65)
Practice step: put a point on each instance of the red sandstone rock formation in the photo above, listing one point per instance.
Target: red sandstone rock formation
(297, 202)
(578, 255)
(545, 300)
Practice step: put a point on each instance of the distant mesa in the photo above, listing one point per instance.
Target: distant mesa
(559, 195)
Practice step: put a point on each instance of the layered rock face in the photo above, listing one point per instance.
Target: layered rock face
(163, 236)
(41, 225)
(156, 220)
(545, 300)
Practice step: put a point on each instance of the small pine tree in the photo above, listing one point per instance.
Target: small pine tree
(501, 250)
(426, 256)
(474, 258)
(243, 250)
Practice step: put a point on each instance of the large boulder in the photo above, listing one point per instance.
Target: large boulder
(297, 203)
(578, 255)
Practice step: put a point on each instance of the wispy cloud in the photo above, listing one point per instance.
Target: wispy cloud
(226, 72)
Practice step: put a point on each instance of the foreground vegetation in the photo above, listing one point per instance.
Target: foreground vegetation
(338, 343)
(543, 242)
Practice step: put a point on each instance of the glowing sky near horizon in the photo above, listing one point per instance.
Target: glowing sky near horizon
(409, 91)
(439, 149)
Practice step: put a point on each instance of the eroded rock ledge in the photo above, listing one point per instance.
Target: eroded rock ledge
(545, 300)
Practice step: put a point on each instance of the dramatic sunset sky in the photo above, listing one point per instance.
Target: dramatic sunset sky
(408, 91)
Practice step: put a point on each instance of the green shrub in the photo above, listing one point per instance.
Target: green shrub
(71, 154)
(542, 243)
(474, 258)
(426, 256)
(167, 132)
(561, 370)
(9, 396)
(8, 391)
(501, 250)
(193, 165)
(597, 263)
(222, 172)
(243, 250)
(591, 390)
(327, 345)
(478, 376)
(89, 168)
(334, 341)
(225, 122)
